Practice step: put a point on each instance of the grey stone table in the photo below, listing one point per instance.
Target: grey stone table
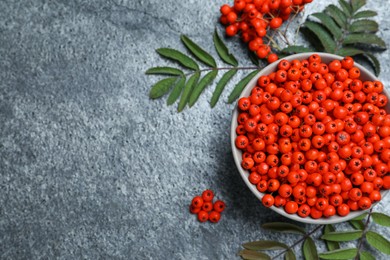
(90, 168)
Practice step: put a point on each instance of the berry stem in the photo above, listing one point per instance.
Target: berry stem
(298, 241)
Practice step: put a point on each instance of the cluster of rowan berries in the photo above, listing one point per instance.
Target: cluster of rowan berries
(252, 19)
(205, 209)
(316, 138)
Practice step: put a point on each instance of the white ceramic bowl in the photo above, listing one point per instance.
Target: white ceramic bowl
(237, 154)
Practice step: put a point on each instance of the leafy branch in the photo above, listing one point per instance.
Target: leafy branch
(189, 90)
(346, 31)
(361, 232)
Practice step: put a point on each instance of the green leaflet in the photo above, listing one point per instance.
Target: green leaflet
(337, 15)
(364, 25)
(253, 255)
(203, 83)
(364, 255)
(198, 52)
(361, 217)
(240, 87)
(331, 245)
(175, 55)
(348, 51)
(265, 245)
(253, 57)
(325, 38)
(357, 4)
(346, 8)
(187, 91)
(338, 254)
(284, 228)
(175, 93)
(296, 49)
(364, 38)
(342, 236)
(330, 24)
(164, 71)
(381, 219)
(289, 255)
(365, 14)
(378, 241)
(223, 51)
(374, 62)
(357, 224)
(161, 88)
(309, 249)
(221, 86)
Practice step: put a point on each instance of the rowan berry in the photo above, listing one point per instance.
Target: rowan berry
(214, 216)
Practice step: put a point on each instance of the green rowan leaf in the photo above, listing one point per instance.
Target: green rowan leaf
(339, 254)
(337, 15)
(325, 38)
(161, 88)
(357, 224)
(253, 255)
(221, 86)
(378, 241)
(253, 57)
(331, 245)
(164, 71)
(284, 228)
(296, 49)
(364, 255)
(374, 62)
(223, 51)
(364, 26)
(381, 219)
(364, 38)
(346, 8)
(357, 4)
(265, 245)
(330, 24)
(361, 217)
(175, 93)
(240, 86)
(349, 51)
(309, 249)
(365, 14)
(198, 52)
(342, 236)
(289, 255)
(203, 83)
(178, 56)
(187, 91)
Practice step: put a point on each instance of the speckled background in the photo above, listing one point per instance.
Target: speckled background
(90, 168)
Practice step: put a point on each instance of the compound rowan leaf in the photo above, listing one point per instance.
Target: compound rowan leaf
(253, 255)
(342, 236)
(265, 245)
(337, 15)
(309, 249)
(357, 4)
(164, 71)
(330, 24)
(364, 25)
(381, 219)
(364, 38)
(331, 245)
(365, 14)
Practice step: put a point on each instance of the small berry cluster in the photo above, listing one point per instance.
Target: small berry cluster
(254, 17)
(205, 209)
(316, 138)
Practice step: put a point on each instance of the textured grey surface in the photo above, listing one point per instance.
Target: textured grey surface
(89, 166)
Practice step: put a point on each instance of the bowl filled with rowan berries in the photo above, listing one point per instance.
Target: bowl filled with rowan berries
(310, 136)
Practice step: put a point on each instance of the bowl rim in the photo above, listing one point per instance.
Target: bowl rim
(237, 153)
